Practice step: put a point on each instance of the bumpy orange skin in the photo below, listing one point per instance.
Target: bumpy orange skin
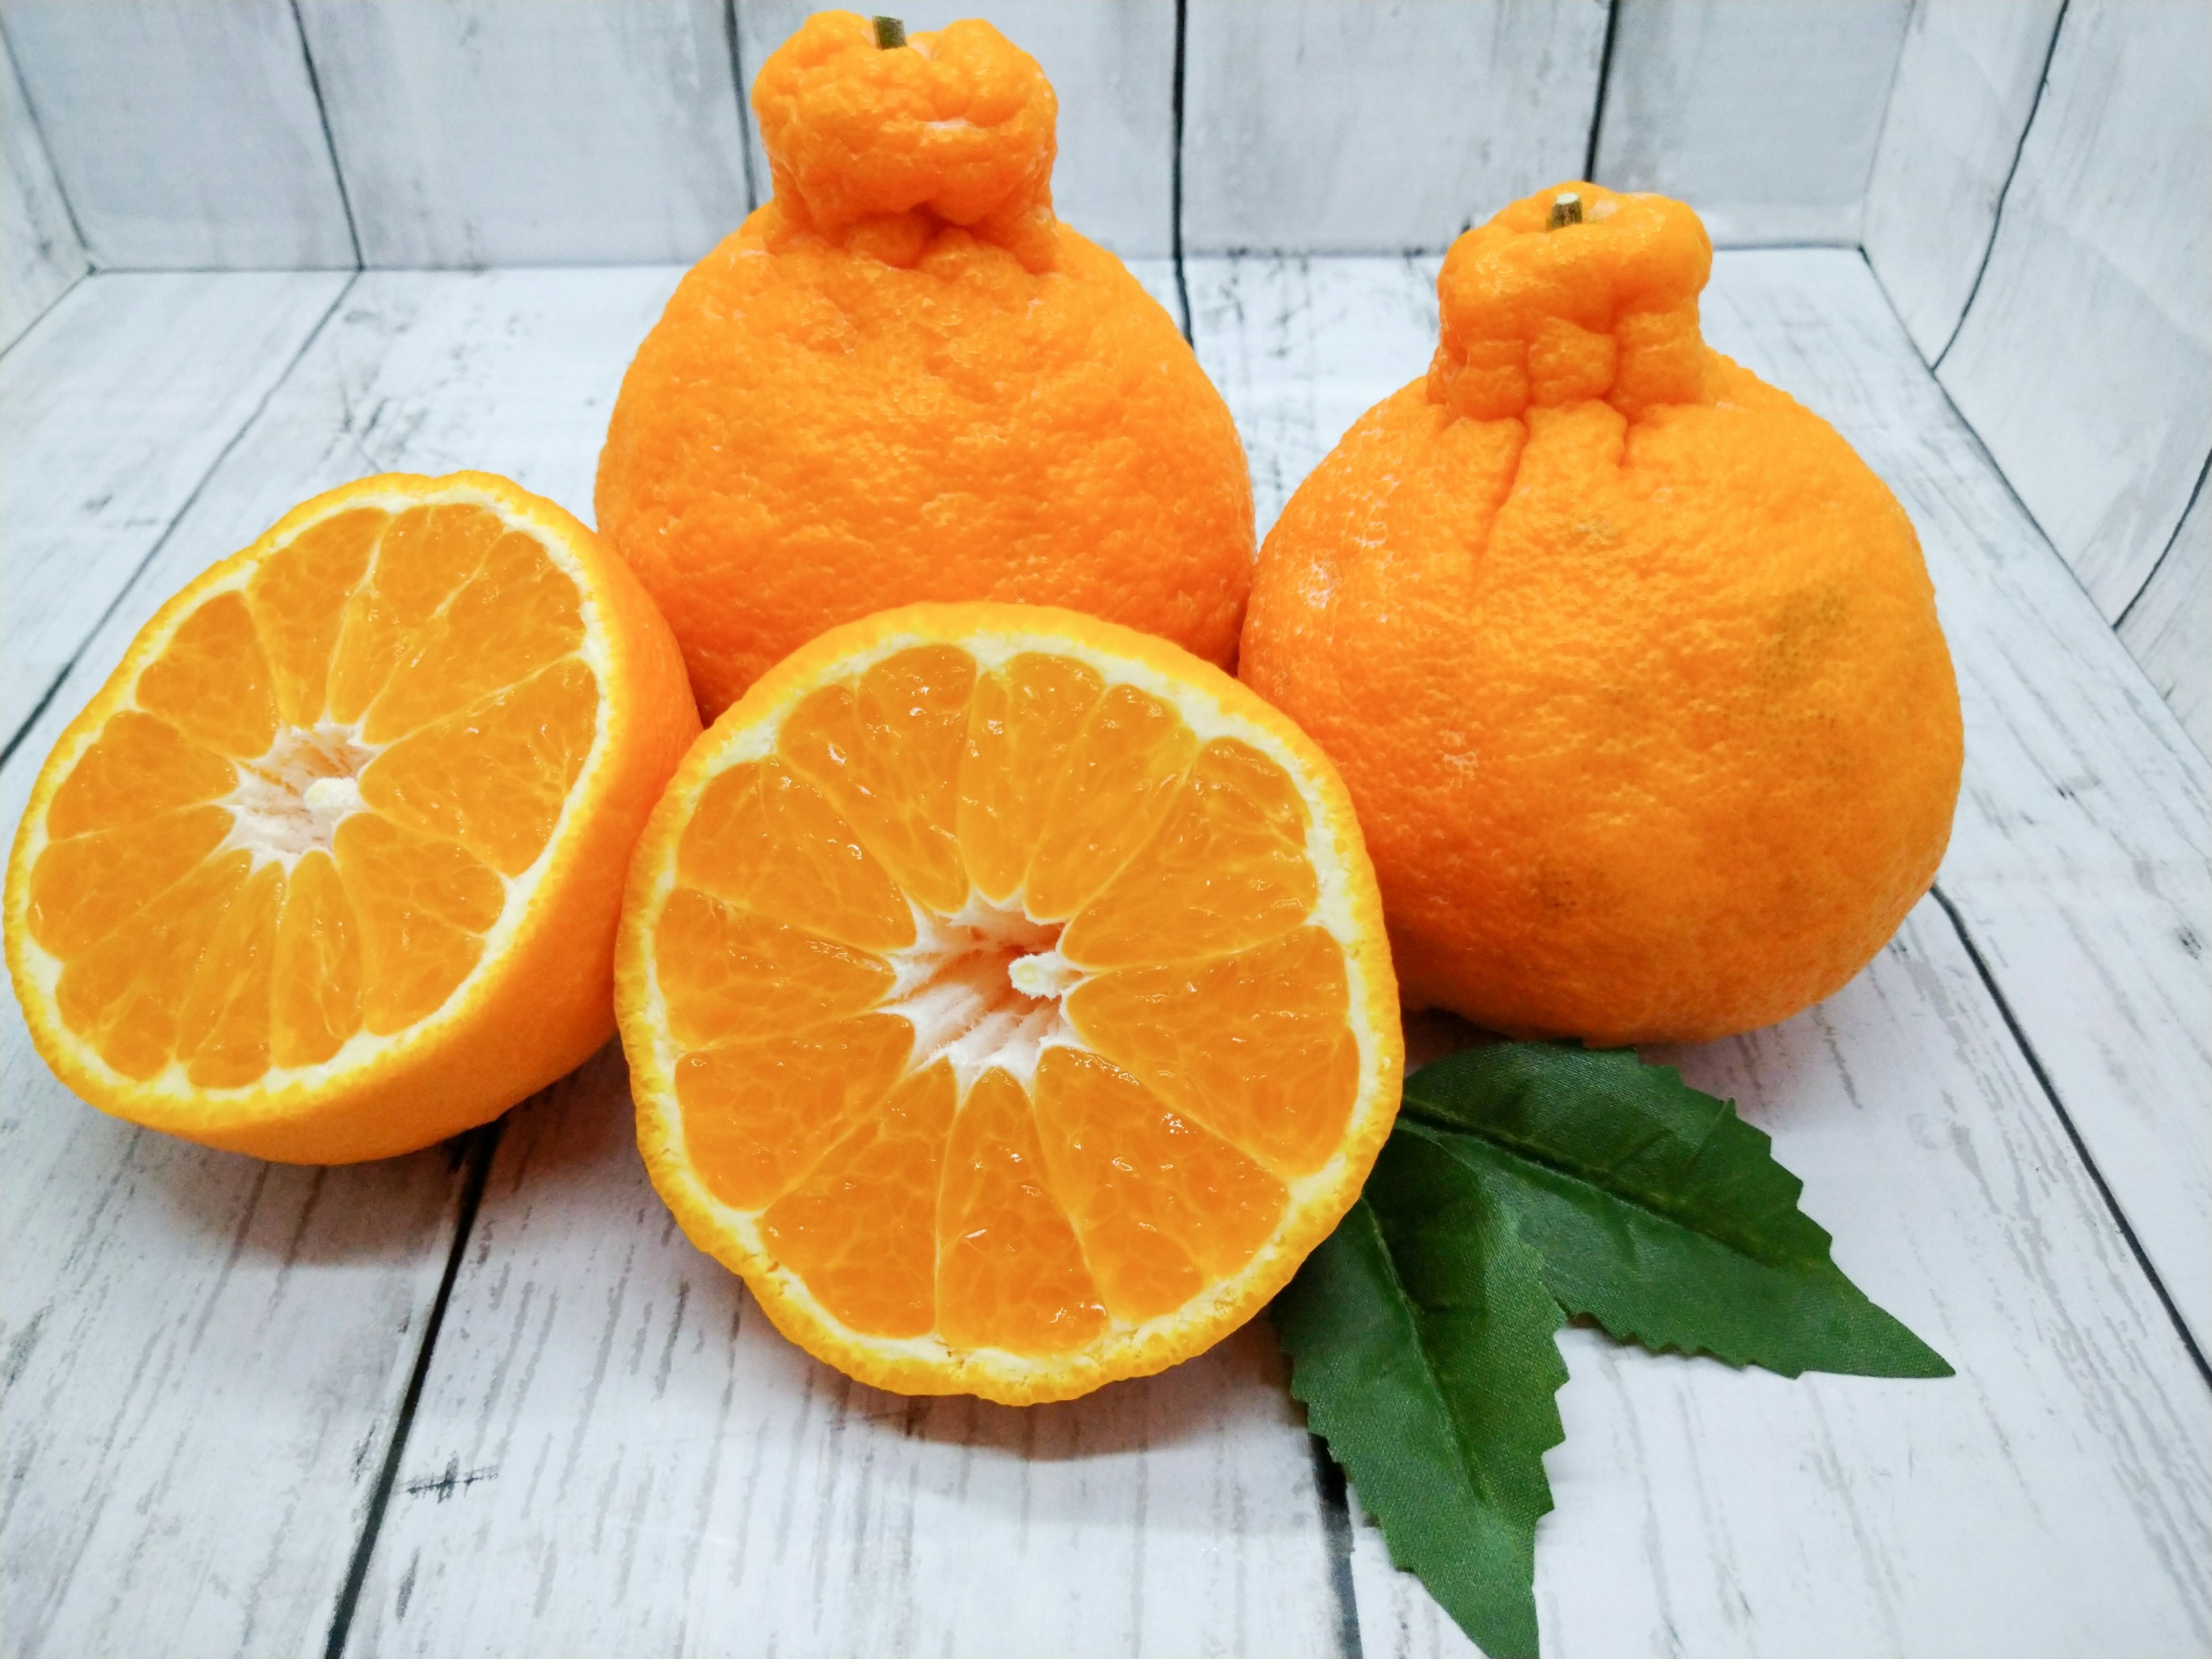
(540, 1010)
(1632, 669)
(904, 380)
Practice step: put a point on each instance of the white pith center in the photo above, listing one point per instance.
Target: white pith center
(983, 987)
(290, 801)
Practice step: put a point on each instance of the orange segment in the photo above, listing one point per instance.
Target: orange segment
(1229, 870)
(1009, 1272)
(953, 1141)
(757, 1118)
(1254, 1046)
(862, 1229)
(330, 867)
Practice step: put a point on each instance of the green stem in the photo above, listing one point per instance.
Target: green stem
(1566, 210)
(890, 33)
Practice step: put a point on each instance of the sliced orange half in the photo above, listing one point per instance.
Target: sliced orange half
(330, 868)
(1007, 999)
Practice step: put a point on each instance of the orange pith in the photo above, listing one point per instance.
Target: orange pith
(1006, 999)
(281, 885)
(904, 379)
(1632, 666)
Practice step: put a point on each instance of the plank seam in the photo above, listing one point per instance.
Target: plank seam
(15, 739)
(2159, 563)
(2066, 1121)
(330, 140)
(45, 312)
(744, 114)
(1175, 172)
(1336, 1532)
(1604, 79)
(1996, 222)
(61, 190)
(479, 1145)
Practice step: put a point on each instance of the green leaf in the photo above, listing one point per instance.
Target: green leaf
(1656, 1209)
(1420, 1338)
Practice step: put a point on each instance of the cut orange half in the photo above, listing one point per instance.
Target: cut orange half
(1007, 999)
(330, 868)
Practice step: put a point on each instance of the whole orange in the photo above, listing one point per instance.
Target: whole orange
(904, 378)
(1631, 665)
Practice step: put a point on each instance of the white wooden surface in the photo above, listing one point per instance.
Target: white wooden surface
(1112, 63)
(39, 253)
(2169, 627)
(112, 410)
(1966, 82)
(1763, 116)
(1347, 126)
(2085, 362)
(185, 134)
(491, 132)
(1706, 1511)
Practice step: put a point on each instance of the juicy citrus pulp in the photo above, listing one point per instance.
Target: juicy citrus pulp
(330, 867)
(1007, 999)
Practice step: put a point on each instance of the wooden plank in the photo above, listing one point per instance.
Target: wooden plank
(111, 415)
(2052, 1500)
(2085, 362)
(496, 132)
(1966, 82)
(2168, 627)
(1112, 63)
(1764, 117)
(1339, 127)
(39, 253)
(614, 1444)
(204, 1354)
(2078, 860)
(185, 135)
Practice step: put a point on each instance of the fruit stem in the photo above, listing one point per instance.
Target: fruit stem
(1566, 210)
(890, 33)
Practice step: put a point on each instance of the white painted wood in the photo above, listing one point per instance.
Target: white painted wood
(1762, 117)
(1966, 82)
(2053, 1498)
(492, 132)
(2085, 362)
(614, 1445)
(2168, 627)
(1347, 126)
(1112, 64)
(111, 415)
(185, 134)
(205, 1355)
(39, 253)
(2079, 854)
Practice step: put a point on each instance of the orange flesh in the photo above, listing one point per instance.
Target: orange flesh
(210, 908)
(849, 906)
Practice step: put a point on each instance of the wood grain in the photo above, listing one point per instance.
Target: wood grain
(2168, 627)
(39, 253)
(2085, 362)
(615, 1444)
(1764, 117)
(1966, 82)
(1112, 63)
(2031, 1506)
(1342, 126)
(111, 415)
(491, 132)
(184, 134)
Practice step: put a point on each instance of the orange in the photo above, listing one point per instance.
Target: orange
(904, 378)
(330, 868)
(1007, 999)
(1632, 666)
